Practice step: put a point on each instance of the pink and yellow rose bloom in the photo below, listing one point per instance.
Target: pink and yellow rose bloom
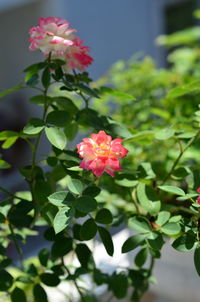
(101, 154)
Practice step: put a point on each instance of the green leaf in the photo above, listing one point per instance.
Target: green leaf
(141, 257)
(106, 240)
(171, 228)
(34, 126)
(49, 212)
(185, 243)
(5, 262)
(187, 197)
(126, 180)
(175, 218)
(42, 190)
(16, 212)
(75, 186)
(58, 118)
(39, 294)
(24, 279)
(172, 189)
(7, 134)
(163, 217)
(31, 79)
(92, 191)
(61, 198)
(61, 247)
(32, 270)
(197, 259)
(52, 161)
(181, 172)
(132, 242)
(104, 216)
(88, 229)
(71, 130)
(117, 94)
(67, 105)
(46, 77)
(50, 279)
(83, 254)
(139, 224)
(186, 135)
(184, 89)
(156, 242)
(41, 100)
(62, 219)
(44, 256)
(87, 90)
(85, 204)
(11, 90)
(10, 138)
(4, 164)
(119, 285)
(120, 130)
(145, 135)
(18, 295)
(145, 171)
(36, 67)
(9, 142)
(6, 280)
(148, 199)
(56, 137)
(164, 134)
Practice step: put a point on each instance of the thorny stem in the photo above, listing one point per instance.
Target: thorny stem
(74, 281)
(18, 249)
(182, 151)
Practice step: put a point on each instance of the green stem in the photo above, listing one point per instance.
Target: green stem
(18, 249)
(74, 281)
(34, 155)
(151, 266)
(11, 194)
(182, 209)
(86, 100)
(182, 151)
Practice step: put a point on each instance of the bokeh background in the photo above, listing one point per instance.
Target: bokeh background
(114, 29)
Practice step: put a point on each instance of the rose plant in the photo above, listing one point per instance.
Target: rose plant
(137, 167)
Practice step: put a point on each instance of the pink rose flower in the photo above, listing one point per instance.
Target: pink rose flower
(54, 36)
(101, 154)
(51, 35)
(198, 200)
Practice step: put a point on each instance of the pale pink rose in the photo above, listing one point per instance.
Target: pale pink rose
(52, 35)
(101, 154)
(76, 56)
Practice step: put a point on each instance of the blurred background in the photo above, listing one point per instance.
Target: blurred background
(114, 29)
